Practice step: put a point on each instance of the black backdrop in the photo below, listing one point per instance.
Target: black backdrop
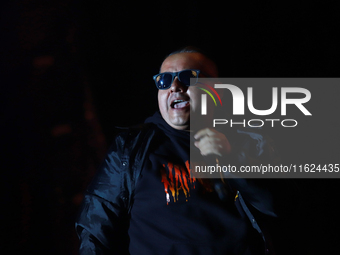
(73, 70)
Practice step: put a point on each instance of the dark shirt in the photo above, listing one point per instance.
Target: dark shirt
(175, 214)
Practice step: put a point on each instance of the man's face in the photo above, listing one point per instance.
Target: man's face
(178, 116)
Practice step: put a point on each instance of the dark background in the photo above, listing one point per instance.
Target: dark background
(73, 70)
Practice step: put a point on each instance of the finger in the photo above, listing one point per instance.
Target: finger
(213, 145)
(208, 145)
(211, 150)
(209, 140)
(204, 132)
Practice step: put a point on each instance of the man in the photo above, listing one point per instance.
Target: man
(143, 200)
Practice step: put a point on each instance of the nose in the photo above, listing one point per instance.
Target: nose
(178, 86)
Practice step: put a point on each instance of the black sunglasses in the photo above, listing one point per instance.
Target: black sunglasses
(164, 80)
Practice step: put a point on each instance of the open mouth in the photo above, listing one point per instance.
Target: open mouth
(178, 104)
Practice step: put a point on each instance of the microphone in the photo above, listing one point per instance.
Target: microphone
(220, 186)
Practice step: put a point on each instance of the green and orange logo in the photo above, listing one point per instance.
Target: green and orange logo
(204, 97)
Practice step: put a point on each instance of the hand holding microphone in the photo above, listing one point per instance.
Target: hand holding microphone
(211, 142)
(212, 145)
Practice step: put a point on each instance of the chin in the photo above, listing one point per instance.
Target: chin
(180, 125)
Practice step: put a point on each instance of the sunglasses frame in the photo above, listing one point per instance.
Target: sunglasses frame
(177, 74)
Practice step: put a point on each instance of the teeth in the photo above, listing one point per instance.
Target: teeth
(176, 101)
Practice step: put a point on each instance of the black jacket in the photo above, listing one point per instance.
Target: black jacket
(104, 216)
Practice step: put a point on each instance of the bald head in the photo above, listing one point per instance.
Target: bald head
(195, 60)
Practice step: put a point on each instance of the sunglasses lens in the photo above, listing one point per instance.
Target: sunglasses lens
(163, 81)
(185, 76)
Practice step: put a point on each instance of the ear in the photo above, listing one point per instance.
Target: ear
(219, 91)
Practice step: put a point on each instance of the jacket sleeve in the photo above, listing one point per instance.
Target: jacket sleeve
(274, 197)
(103, 219)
